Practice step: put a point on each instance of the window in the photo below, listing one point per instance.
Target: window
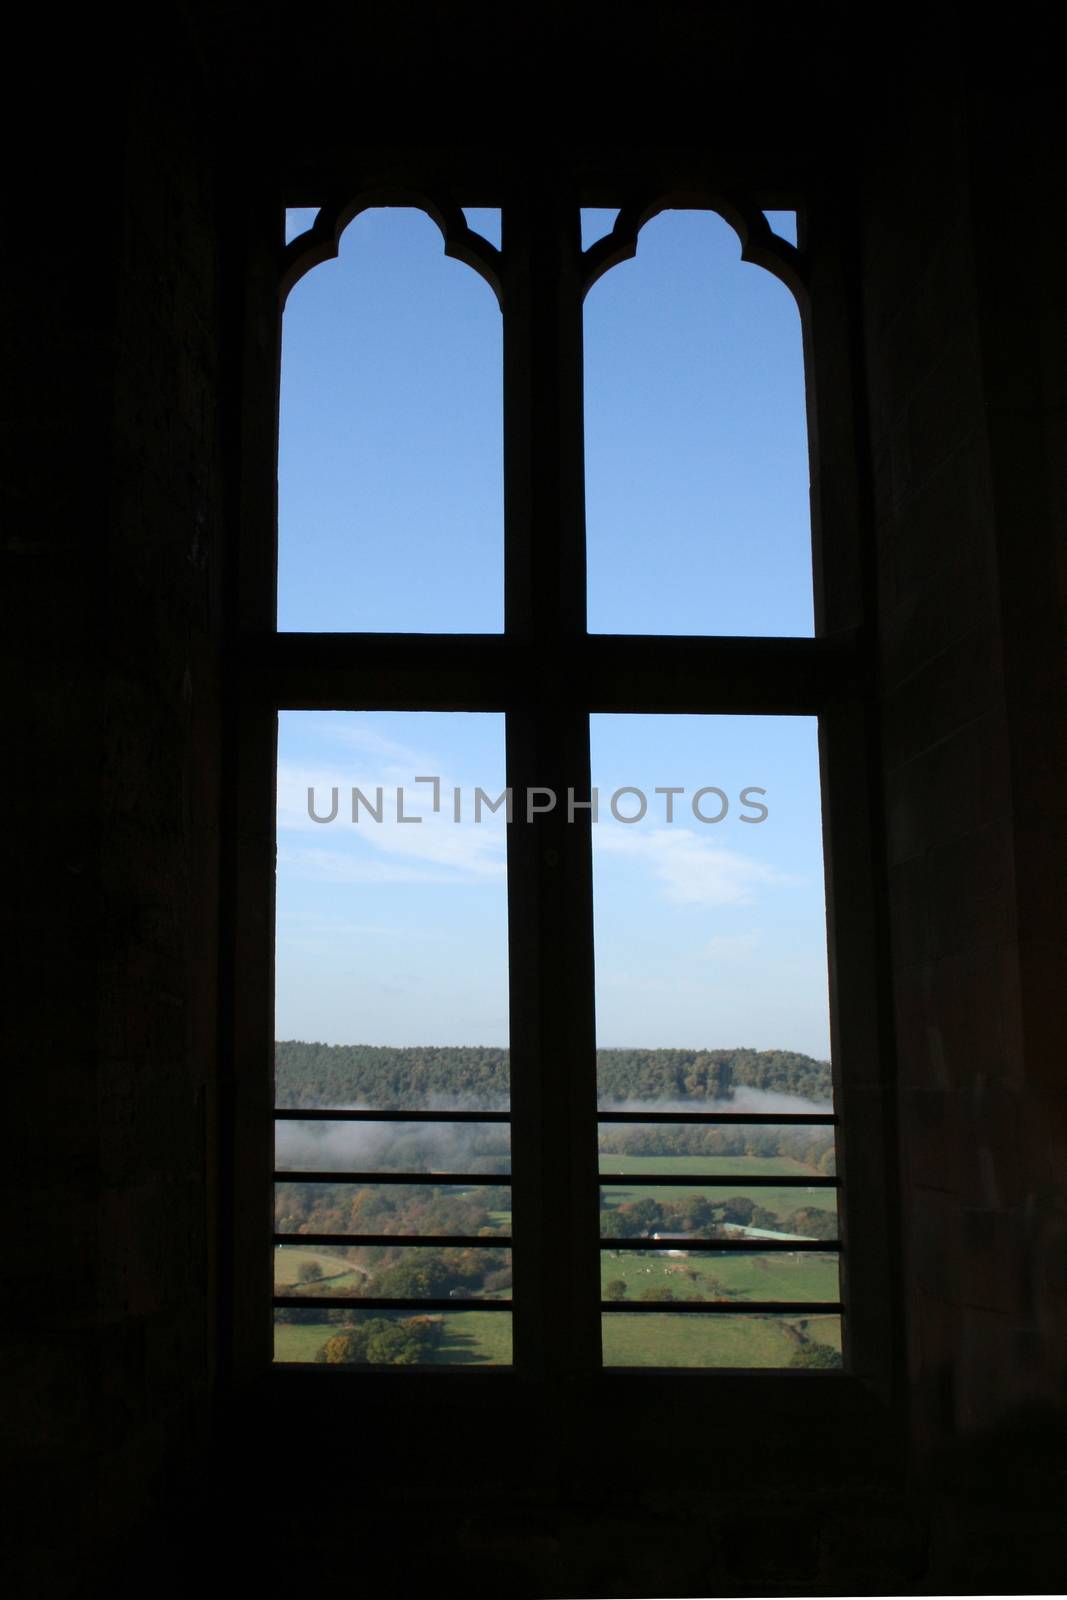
(550, 680)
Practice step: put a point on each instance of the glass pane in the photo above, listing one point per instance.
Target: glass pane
(721, 1340)
(673, 1273)
(710, 917)
(423, 1209)
(712, 1211)
(484, 220)
(412, 1272)
(326, 1146)
(696, 441)
(298, 219)
(317, 1270)
(392, 981)
(596, 222)
(383, 1076)
(390, 488)
(784, 224)
(346, 1336)
(755, 1149)
(712, 998)
(392, 974)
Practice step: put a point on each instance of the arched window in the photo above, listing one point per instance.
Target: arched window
(696, 450)
(622, 1154)
(390, 493)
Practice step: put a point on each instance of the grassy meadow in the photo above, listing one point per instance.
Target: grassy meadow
(478, 1338)
(470, 1338)
(660, 1340)
(334, 1273)
(720, 1277)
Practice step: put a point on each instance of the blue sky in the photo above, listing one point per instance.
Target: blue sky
(390, 517)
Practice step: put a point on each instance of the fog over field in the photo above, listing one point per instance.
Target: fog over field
(466, 1146)
(402, 1146)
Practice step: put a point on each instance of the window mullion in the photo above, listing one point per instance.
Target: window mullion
(549, 875)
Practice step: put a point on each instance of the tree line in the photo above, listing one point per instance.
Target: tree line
(382, 1341)
(393, 1208)
(696, 1214)
(317, 1075)
(389, 1272)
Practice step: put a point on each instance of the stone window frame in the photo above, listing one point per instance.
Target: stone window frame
(547, 674)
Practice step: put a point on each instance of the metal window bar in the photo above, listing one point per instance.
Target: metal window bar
(739, 1308)
(755, 1119)
(310, 1302)
(475, 1180)
(718, 1180)
(747, 1247)
(318, 1114)
(441, 1241)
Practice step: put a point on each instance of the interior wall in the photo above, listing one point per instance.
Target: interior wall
(963, 274)
(113, 559)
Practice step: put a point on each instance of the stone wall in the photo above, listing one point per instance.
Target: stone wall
(113, 566)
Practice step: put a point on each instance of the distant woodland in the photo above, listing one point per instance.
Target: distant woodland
(317, 1075)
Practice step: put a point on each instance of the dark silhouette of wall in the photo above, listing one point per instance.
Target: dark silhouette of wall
(140, 258)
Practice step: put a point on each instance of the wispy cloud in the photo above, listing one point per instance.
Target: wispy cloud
(726, 945)
(434, 849)
(440, 860)
(692, 870)
(351, 734)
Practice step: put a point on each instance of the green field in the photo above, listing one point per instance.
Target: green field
(300, 1341)
(715, 1341)
(480, 1338)
(336, 1275)
(757, 1277)
(484, 1338)
(826, 1330)
(470, 1338)
(475, 1338)
(779, 1201)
